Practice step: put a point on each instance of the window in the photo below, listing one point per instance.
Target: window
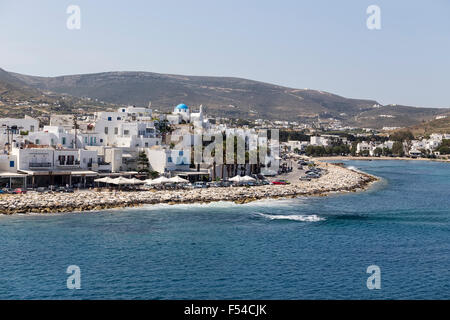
(86, 140)
(106, 130)
(101, 140)
(169, 159)
(64, 140)
(126, 132)
(95, 140)
(123, 110)
(180, 153)
(32, 128)
(37, 141)
(116, 130)
(11, 164)
(146, 144)
(119, 118)
(109, 118)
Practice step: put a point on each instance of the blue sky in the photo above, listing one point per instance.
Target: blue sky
(319, 44)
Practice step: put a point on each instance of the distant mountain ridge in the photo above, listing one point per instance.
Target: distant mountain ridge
(229, 97)
(14, 87)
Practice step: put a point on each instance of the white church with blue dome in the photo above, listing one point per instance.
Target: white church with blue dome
(181, 114)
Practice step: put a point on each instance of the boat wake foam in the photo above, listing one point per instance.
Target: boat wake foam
(294, 217)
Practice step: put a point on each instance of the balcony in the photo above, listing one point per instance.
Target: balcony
(68, 164)
(91, 164)
(40, 165)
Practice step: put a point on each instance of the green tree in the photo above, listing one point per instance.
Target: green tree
(354, 148)
(153, 174)
(386, 152)
(397, 149)
(142, 162)
(444, 148)
(403, 135)
(378, 152)
(365, 153)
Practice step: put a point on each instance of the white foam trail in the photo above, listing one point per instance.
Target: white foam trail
(294, 217)
(222, 204)
(159, 206)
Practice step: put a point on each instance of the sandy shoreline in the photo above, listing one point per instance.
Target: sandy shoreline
(338, 179)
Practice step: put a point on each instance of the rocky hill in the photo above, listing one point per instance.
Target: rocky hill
(229, 97)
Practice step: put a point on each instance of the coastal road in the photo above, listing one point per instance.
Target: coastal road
(292, 177)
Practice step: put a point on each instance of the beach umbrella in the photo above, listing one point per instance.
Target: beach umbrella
(107, 180)
(121, 181)
(136, 181)
(159, 180)
(236, 179)
(149, 182)
(247, 179)
(178, 179)
(103, 180)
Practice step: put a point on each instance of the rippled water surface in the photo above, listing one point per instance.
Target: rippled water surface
(286, 249)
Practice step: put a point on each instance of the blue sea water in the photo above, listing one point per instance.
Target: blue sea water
(306, 248)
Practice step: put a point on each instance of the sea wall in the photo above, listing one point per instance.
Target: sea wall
(338, 179)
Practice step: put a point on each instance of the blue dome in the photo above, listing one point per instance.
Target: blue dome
(182, 106)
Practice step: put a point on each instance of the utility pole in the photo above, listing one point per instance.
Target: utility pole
(75, 126)
(10, 131)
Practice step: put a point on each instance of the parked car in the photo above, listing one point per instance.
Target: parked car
(19, 191)
(60, 189)
(305, 178)
(313, 175)
(200, 184)
(215, 184)
(280, 182)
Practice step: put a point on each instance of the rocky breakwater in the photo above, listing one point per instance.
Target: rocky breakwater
(337, 180)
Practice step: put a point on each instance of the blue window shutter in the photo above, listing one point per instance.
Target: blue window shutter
(11, 164)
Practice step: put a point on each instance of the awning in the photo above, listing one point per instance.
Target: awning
(46, 173)
(127, 173)
(117, 174)
(192, 173)
(61, 173)
(12, 175)
(84, 173)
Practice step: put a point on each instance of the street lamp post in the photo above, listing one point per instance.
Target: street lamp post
(10, 131)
